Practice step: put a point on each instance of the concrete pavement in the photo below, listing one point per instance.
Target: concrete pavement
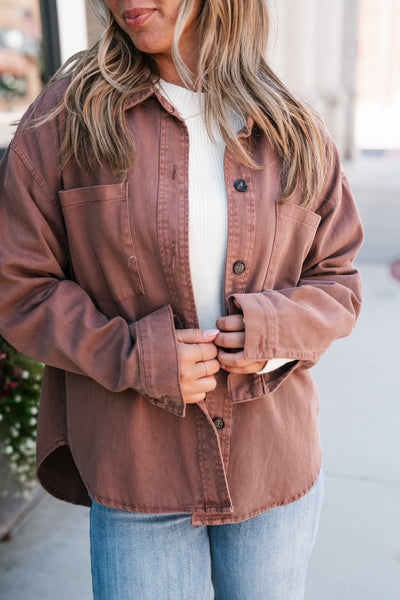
(357, 554)
(48, 556)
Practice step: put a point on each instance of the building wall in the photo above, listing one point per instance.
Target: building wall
(20, 57)
(378, 75)
(314, 50)
(94, 27)
(72, 27)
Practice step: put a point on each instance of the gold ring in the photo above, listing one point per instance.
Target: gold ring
(205, 364)
(202, 353)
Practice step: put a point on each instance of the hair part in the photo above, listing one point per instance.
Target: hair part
(232, 72)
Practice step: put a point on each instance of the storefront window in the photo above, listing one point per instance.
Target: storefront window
(21, 63)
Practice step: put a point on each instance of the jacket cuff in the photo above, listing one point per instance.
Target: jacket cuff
(158, 358)
(260, 326)
(264, 339)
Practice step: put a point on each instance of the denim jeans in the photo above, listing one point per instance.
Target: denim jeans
(138, 556)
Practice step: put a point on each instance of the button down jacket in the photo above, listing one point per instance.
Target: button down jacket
(95, 278)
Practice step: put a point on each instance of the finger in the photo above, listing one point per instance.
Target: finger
(200, 370)
(232, 359)
(194, 399)
(234, 339)
(200, 348)
(248, 369)
(190, 369)
(199, 396)
(196, 390)
(204, 384)
(196, 336)
(236, 363)
(207, 368)
(208, 351)
(231, 323)
(237, 304)
(194, 353)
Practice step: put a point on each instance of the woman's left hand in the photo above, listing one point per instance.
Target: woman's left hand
(231, 338)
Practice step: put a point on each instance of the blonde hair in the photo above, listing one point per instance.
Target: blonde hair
(233, 74)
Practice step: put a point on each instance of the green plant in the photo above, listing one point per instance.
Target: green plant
(20, 379)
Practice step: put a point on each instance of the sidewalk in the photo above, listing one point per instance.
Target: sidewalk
(357, 554)
(48, 556)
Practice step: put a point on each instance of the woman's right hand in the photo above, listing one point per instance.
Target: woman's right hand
(197, 362)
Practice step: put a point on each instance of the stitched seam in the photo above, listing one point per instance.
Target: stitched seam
(97, 201)
(303, 222)
(140, 288)
(142, 361)
(273, 323)
(332, 203)
(163, 212)
(270, 264)
(172, 330)
(250, 237)
(219, 469)
(29, 167)
(200, 456)
(228, 276)
(297, 496)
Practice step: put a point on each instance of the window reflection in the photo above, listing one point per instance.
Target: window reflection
(20, 61)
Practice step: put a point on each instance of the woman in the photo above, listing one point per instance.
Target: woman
(177, 247)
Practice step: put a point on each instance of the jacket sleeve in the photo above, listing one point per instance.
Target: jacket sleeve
(46, 315)
(299, 323)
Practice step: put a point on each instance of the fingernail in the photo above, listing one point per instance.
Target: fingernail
(211, 333)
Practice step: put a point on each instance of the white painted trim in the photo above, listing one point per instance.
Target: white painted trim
(72, 27)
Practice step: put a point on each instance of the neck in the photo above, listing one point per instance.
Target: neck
(169, 73)
(168, 70)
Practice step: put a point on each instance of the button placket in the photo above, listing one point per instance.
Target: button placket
(241, 227)
(239, 266)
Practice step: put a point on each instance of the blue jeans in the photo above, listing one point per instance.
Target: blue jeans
(139, 556)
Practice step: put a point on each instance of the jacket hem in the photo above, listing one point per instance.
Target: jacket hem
(48, 450)
(157, 510)
(221, 519)
(46, 484)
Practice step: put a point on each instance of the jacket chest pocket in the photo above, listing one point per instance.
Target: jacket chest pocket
(103, 257)
(295, 229)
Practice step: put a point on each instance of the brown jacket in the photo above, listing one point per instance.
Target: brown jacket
(94, 279)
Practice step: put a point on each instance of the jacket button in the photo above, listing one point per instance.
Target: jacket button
(240, 185)
(219, 422)
(239, 267)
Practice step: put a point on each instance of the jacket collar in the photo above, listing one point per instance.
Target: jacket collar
(138, 97)
(142, 95)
